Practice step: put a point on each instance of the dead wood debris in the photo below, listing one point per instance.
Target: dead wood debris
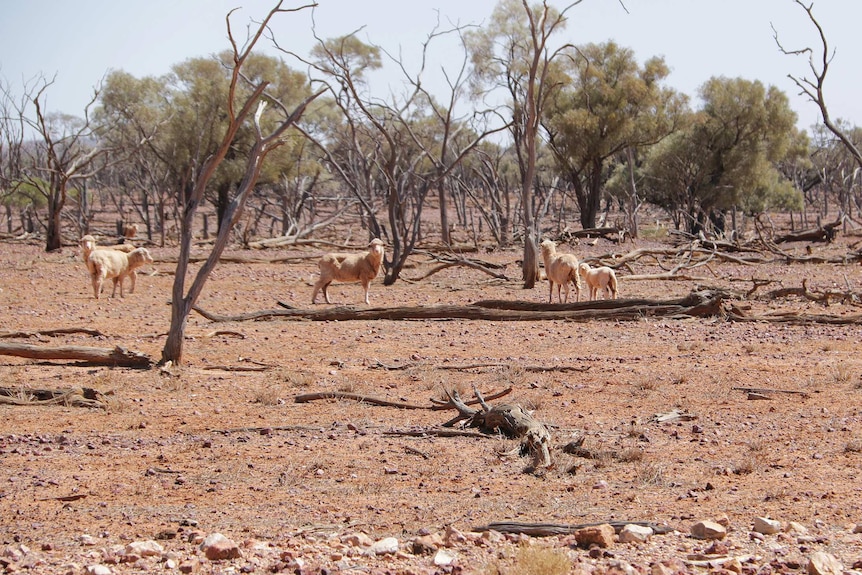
(767, 392)
(512, 421)
(696, 304)
(436, 404)
(51, 332)
(377, 364)
(118, 356)
(551, 529)
(70, 397)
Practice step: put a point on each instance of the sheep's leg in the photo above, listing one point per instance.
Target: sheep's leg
(320, 283)
(566, 290)
(365, 285)
(114, 291)
(550, 290)
(133, 275)
(97, 285)
(326, 292)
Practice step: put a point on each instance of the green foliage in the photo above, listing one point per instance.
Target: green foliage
(27, 193)
(728, 153)
(610, 104)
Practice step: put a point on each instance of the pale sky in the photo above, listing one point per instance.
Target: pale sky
(81, 40)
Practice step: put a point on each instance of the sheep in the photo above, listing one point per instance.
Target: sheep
(104, 264)
(602, 278)
(560, 269)
(88, 244)
(359, 267)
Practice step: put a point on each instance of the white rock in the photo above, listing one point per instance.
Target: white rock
(708, 530)
(766, 526)
(443, 558)
(635, 533)
(98, 570)
(385, 546)
(822, 563)
(145, 548)
(797, 528)
(87, 540)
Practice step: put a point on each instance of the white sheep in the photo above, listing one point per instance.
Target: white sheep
(602, 278)
(359, 267)
(88, 244)
(117, 265)
(560, 269)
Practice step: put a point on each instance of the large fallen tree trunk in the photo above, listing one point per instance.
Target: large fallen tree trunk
(118, 356)
(696, 304)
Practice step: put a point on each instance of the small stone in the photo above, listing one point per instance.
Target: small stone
(766, 526)
(98, 570)
(796, 528)
(600, 535)
(144, 549)
(635, 533)
(857, 528)
(454, 537)
(217, 547)
(385, 546)
(660, 569)
(427, 544)
(708, 530)
(357, 540)
(821, 563)
(443, 558)
(87, 540)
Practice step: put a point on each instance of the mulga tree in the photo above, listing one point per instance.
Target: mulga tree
(611, 108)
(726, 157)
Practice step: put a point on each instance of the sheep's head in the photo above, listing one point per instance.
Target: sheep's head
(548, 246)
(88, 242)
(140, 256)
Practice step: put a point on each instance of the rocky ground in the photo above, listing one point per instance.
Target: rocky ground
(213, 467)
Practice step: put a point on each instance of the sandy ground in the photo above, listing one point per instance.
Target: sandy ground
(211, 449)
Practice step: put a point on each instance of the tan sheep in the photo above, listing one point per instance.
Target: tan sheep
(601, 278)
(104, 264)
(88, 244)
(359, 267)
(560, 269)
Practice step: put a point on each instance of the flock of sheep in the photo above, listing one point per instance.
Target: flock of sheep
(122, 260)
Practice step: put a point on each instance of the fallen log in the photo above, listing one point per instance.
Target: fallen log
(550, 529)
(49, 332)
(696, 304)
(116, 357)
(72, 397)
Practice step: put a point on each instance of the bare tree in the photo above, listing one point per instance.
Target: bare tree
(11, 145)
(400, 150)
(66, 154)
(519, 58)
(238, 110)
(818, 63)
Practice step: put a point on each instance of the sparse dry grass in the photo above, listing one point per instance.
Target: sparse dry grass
(533, 560)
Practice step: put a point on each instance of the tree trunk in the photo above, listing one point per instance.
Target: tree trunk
(444, 216)
(54, 240)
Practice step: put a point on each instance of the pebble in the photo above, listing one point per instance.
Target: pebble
(385, 546)
(635, 534)
(708, 530)
(766, 526)
(600, 535)
(217, 547)
(822, 563)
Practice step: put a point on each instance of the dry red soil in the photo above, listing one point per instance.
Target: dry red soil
(211, 449)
